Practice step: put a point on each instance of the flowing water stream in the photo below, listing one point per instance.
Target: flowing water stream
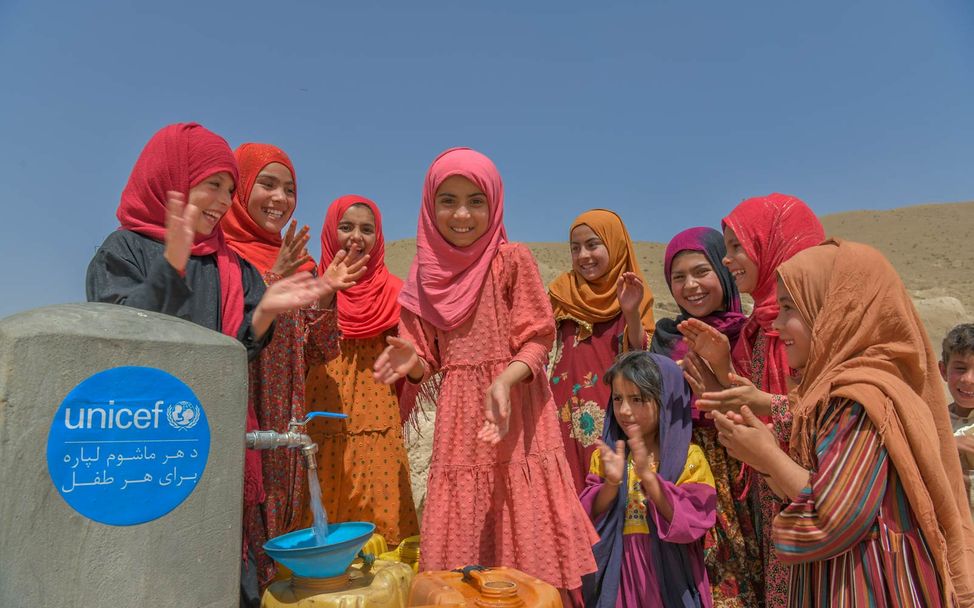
(320, 525)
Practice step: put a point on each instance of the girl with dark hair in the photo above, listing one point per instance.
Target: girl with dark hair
(650, 492)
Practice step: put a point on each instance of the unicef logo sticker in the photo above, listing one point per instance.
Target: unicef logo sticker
(183, 415)
(128, 445)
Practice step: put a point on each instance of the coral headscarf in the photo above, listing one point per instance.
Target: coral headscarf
(445, 281)
(869, 345)
(668, 340)
(178, 157)
(252, 242)
(573, 297)
(371, 306)
(771, 229)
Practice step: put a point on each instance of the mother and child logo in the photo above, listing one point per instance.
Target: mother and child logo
(128, 445)
(183, 415)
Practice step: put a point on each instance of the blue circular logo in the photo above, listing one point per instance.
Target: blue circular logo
(128, 445)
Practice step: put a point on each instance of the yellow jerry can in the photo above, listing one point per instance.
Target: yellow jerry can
(383, 585)
(407, 552)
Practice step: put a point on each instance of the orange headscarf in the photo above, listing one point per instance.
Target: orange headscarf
(868, 345)
(250, 241)
(573, 297)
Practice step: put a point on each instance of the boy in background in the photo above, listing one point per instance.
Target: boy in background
(957, 370)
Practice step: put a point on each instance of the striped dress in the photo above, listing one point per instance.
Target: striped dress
(850, 538)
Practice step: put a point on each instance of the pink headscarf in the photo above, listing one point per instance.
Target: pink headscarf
(445, 281)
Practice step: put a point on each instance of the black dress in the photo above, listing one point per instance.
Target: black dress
(130, 269)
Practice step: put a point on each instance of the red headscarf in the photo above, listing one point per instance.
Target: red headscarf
(177, 158)
(445, 281)
(252, 242)
(369, 307)
(771, 229)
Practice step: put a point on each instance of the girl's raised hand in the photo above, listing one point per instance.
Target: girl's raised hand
(643, 461)
(293, 253)
(741, 392)
(291, 293)
(709, 343)
(396, 361)
(645, 465)
(613, 462)
(699, 375)
(629, 291)
(497, 411)
(746, 438)
(341, 275)
(181, 219)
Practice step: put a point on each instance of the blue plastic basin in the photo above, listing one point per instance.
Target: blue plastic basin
(300, 552)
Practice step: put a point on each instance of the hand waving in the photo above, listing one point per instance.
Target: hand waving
(629, 291)
(297, 291)
(699, 375)
(181, 219)
(293, 253)
(709, 343)
(613, 461)
(746, 438)
(339, 275)
(396, 361)
(742, 392)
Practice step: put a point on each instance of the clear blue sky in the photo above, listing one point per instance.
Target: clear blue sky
(669, 112)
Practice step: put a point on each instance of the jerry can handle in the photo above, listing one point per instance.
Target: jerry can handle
(368, 560)
(467, 570)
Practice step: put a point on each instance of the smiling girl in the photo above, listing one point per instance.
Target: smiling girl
(876, 514)
(475, 312)
(262, 207)
(760, 234)
(602, 307)
(170, 256)
(704, 289)
(362, 460)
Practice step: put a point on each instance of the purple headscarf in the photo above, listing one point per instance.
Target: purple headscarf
(671, 561)
(667, 340)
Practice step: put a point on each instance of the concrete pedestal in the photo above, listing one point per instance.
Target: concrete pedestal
(50, 554)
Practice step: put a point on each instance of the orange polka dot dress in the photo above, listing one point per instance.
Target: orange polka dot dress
(362, 463)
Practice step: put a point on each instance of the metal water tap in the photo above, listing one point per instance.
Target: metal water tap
(293, 438)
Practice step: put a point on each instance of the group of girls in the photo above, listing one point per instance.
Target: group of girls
(784, 458)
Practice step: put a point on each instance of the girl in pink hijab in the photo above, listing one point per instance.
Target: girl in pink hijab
(477, 321)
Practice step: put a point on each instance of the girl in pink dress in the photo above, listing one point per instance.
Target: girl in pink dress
(477, 323)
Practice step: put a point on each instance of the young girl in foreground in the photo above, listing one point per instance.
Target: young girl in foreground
(877, 514)
(602, 307)
(652, 502)
(475, 311)
(704, 289)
